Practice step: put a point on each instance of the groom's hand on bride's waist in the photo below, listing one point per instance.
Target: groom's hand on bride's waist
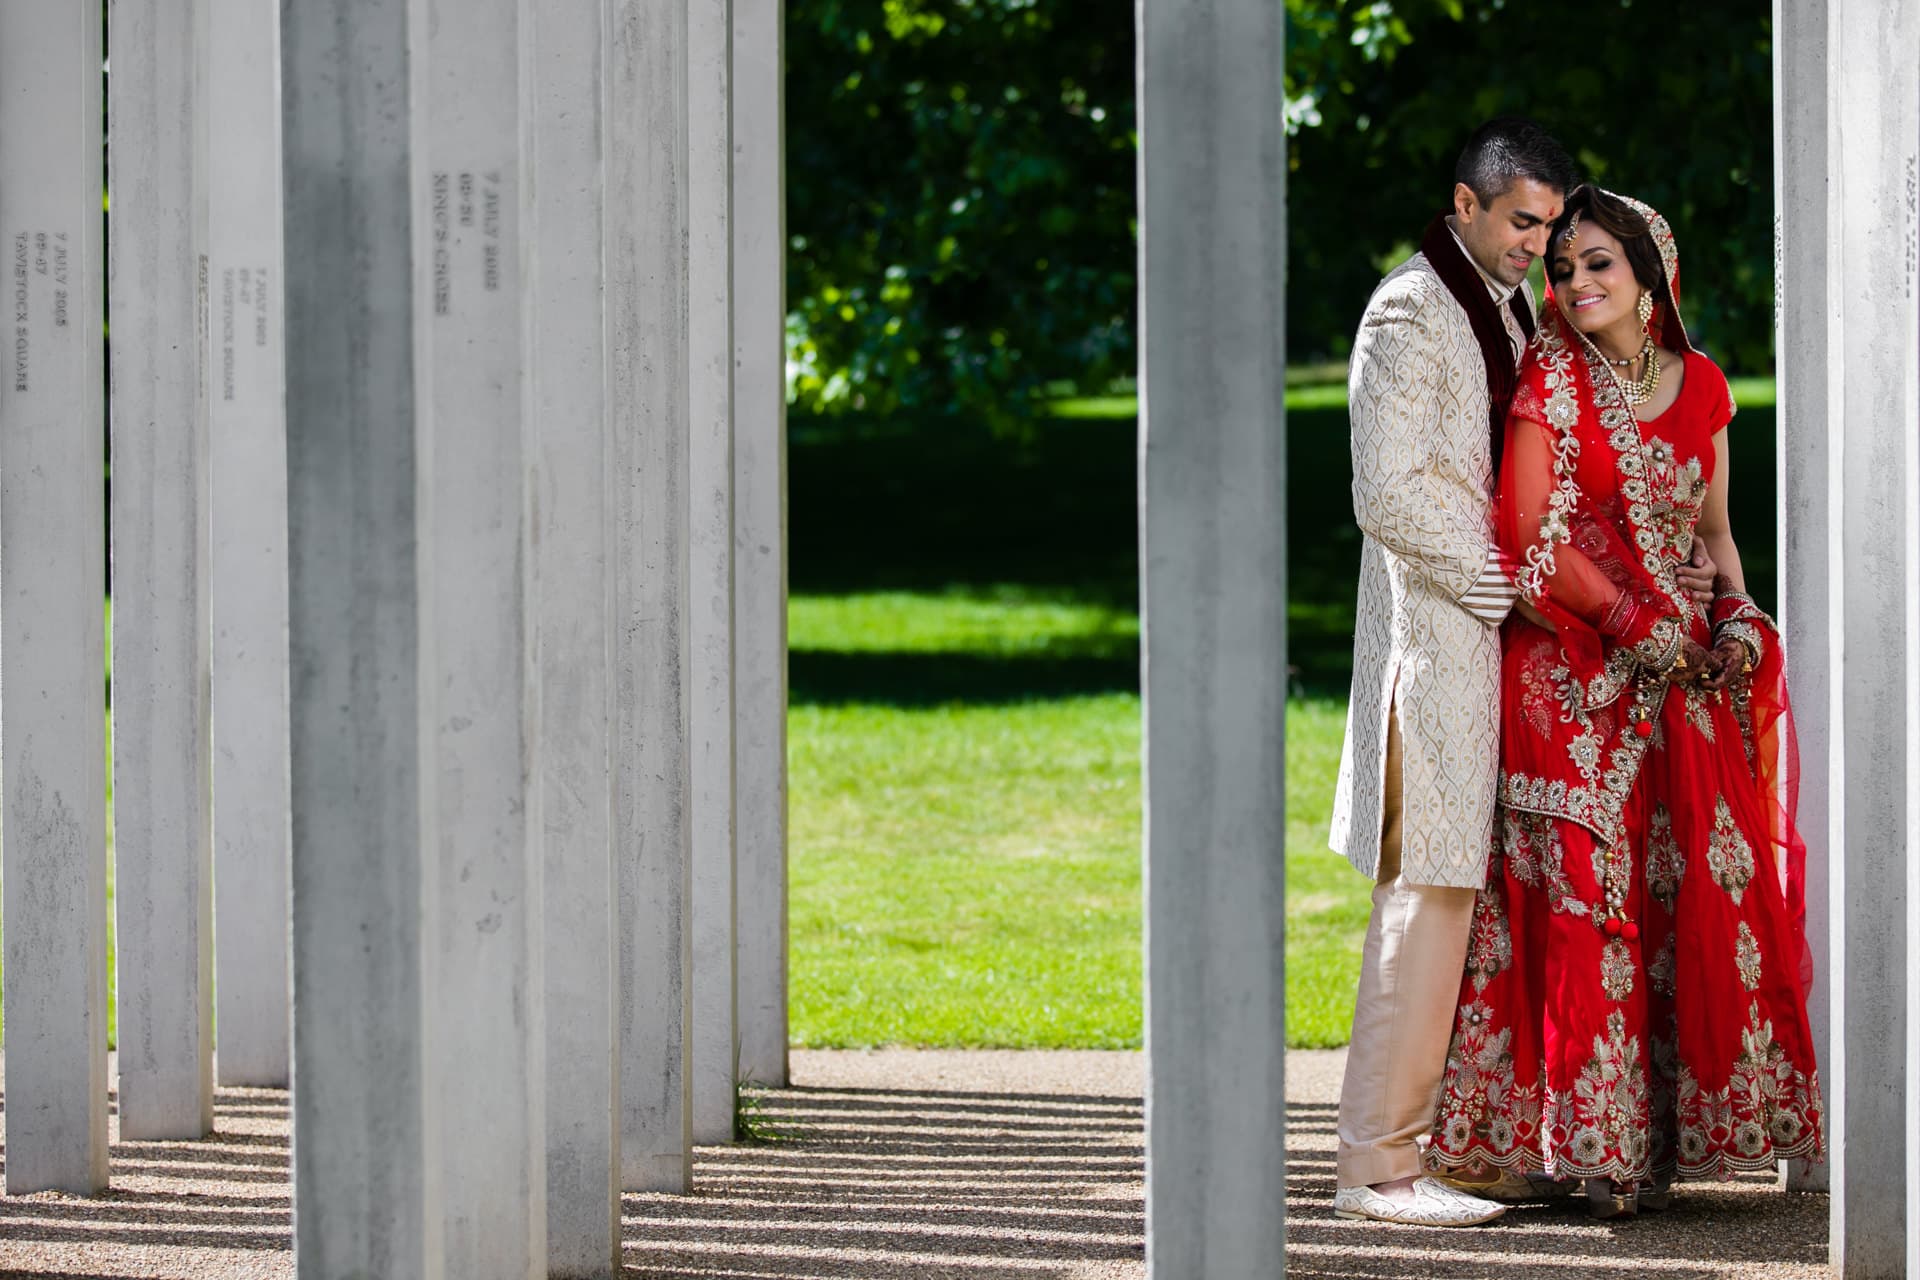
(1696, 573)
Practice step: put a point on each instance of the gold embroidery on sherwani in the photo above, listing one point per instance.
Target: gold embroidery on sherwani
(1423, 480)
(1729, 856)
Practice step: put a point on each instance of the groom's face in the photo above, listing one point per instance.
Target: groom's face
(1506, 234)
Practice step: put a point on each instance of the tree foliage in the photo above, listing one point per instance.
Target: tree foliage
(1670, 103)
(960, 201)
(961, 173)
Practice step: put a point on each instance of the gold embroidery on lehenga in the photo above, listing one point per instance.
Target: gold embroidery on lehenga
(1729, 856)
(1525, 839)
(1490, 944)
(1597, 808)
(1698, 705)
(1600, 1128)
(1584, 751)
(1562, 897)
(1768, 1111)
(1483, 1113)
(1746, 957)
(1660, 970)
(1616, 970)
(1666, 865)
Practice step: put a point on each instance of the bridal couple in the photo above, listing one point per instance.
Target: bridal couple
(1569, 759)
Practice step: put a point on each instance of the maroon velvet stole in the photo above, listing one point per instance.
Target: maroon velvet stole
(1469, 289)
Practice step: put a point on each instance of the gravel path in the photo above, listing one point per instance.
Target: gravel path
(902, 1165)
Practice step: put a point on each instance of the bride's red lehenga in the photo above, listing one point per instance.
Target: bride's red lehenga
(1634, 998)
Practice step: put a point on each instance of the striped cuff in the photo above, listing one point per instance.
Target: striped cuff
(1491, 596)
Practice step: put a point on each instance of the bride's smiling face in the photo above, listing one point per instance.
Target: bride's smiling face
(1594, 285)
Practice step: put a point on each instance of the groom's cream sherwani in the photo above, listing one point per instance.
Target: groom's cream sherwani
(1422, 480)
(1414, 807)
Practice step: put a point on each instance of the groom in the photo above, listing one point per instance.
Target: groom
(1433, 370)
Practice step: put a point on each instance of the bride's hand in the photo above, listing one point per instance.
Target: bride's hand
(1726, 661)
(1693, 664)
(1533, 615)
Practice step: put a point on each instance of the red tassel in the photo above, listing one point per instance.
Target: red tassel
(1630, 931)
(1612, 927)
(1644, 728)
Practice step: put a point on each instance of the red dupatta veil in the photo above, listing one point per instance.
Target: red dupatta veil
(1600, 566)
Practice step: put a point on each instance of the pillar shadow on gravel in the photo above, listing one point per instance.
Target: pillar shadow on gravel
(910, 1184)
(907, 1183)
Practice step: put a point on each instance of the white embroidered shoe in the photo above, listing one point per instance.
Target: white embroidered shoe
(1434, 1204)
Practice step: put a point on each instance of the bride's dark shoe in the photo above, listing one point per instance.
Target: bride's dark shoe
(1609, 1199)
(1656, 1196)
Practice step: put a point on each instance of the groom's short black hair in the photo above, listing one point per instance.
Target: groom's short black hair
(1504, 150)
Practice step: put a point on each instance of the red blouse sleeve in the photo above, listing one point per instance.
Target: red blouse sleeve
(1540, 525)
(1716, 395)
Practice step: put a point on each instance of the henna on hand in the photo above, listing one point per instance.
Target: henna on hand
(1692, 663)
(1727, 661)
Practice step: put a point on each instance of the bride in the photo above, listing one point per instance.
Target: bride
(1633, 1006)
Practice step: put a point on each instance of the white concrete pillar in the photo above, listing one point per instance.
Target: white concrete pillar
(162, 711)
(1809, 574)
(1213, 512)
(1873, 407)
(760, 538)
(567, 370)
(487, 946)
(248, 462)
(646, 298)
(52, 579)
(366, 1105)
(710, 622)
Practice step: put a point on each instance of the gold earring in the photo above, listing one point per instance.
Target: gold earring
(1645, 307)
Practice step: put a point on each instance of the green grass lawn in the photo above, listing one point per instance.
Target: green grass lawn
(967, 873)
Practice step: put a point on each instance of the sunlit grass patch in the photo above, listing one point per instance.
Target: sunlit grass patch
(997, 621)
(968, 874)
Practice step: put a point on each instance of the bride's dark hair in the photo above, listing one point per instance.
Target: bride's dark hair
(1618, 219)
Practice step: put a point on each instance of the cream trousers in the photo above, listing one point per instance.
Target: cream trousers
(1403, 1013)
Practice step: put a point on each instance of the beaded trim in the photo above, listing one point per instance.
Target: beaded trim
(1658, 653)
(1597, 808)
(1729, 605)
(1748, 633)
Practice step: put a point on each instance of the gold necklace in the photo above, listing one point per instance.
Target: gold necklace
(1638, 391)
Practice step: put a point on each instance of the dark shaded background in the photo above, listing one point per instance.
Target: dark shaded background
(961, 175)
(958, 506)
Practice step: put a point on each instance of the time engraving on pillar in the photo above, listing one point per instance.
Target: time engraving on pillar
(467, 218)
(244, 297)
(1912, 238)
(40, 276)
